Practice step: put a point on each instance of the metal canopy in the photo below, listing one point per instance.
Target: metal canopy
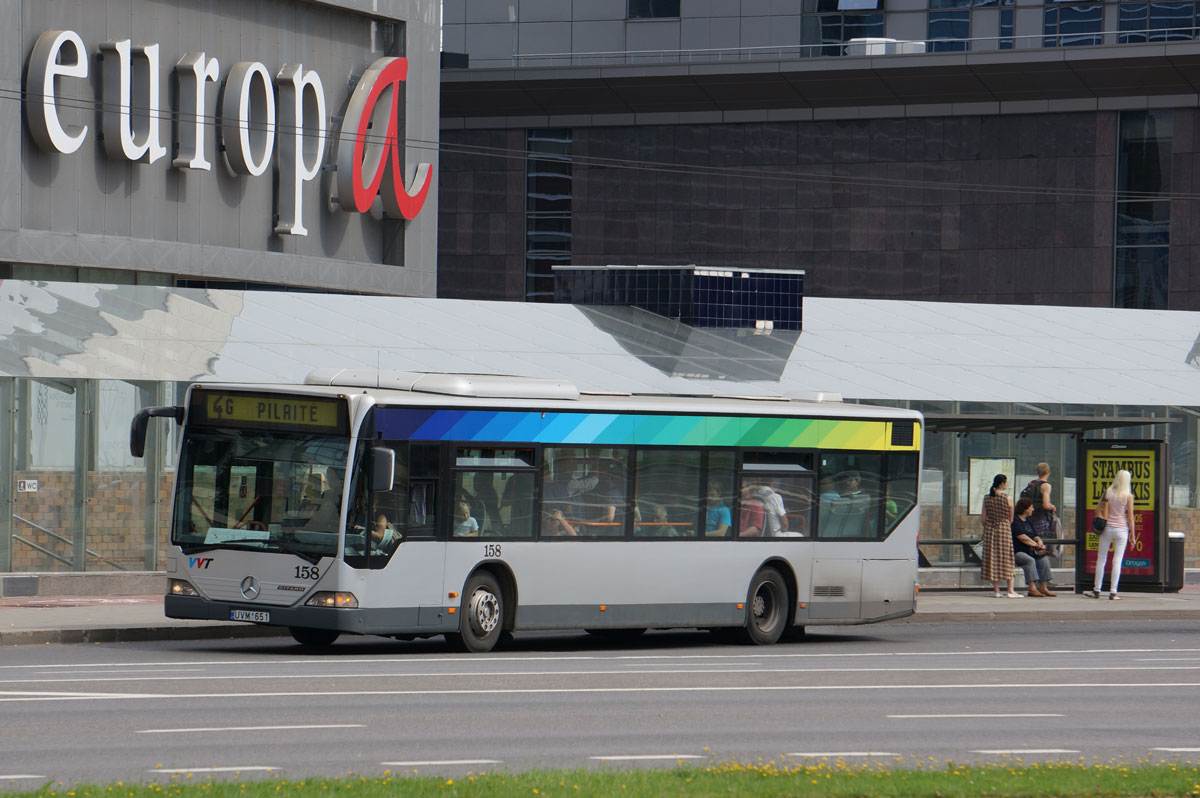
(1034, 424)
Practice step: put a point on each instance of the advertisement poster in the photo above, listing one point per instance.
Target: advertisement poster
(980, 473)
(1100, 467)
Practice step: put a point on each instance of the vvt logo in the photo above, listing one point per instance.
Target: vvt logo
(199, 562)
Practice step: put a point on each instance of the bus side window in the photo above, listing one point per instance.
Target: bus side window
(901, 488)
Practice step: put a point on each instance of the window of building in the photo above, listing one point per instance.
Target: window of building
(1156, 22)
(949, 27)
(548, 197)
(826, 25)
(1143, 209)
(653, 9)
(1070, 25)
(1005, 41)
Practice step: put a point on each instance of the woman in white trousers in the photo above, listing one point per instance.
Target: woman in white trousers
(1117, 510)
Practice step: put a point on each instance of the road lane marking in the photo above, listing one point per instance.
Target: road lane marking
(1177, 750)
(230, 769)
(1024, 751)
(493, 691)
(641, 757)
(436, 762)
(838, 754)
(541, 674)
(501, 659)
(16, 776)
(110, 673)
(253, 728)
(986, 715)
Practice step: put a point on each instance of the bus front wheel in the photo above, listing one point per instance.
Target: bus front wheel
(481, 618)
(313, 638)
(767, 608)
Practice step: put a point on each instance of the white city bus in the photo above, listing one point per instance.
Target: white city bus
(470, 506)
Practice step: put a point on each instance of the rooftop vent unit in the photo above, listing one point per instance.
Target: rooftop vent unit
(877, 46)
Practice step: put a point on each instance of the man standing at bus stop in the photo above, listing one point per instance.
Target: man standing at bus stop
(1038, 491)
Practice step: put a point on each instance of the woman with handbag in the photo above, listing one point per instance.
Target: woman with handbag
(997, 561)
(1116, 509)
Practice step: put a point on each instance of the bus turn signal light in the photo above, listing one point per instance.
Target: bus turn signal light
(328, 598)
(453, 594)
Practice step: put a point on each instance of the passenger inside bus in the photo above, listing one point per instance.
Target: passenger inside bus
(717, 518)
(329, 507)
(464, 525)
(659, 524)
(750, 511)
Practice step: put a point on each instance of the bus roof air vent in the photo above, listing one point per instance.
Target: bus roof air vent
(484, 386)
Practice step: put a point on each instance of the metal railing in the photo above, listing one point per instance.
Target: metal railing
(61, 539)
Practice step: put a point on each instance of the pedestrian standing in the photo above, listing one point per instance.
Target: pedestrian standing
(998, 565)
(1116, 508)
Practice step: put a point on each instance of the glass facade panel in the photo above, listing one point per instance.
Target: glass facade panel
(548, 203)
(949, 30)
(1143, 221)
(651, 9)
(1073, 25)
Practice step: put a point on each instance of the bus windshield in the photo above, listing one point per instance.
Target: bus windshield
(260, 490)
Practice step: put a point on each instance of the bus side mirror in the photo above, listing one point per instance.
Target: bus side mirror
(383, 468)
(137, 428)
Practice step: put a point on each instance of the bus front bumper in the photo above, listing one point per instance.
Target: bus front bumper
(390, 621)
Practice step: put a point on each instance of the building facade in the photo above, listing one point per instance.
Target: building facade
(171, 142)
(961, 150)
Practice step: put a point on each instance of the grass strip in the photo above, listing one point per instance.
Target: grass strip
(895, 779)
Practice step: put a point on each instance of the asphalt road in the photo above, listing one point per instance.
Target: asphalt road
(898, 692)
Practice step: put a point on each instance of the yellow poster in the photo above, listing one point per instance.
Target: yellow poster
(1100, 470)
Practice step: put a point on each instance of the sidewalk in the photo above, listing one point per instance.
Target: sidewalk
(94, 619)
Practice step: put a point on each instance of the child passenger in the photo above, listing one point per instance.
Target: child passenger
(464, 525)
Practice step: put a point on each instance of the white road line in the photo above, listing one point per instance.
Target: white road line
(492, 691)
(1178, 750)
(253, 728)
(501, 659)
(838, 754)
(434, 762)
(151, 670)
(991, 715)
(231, 769)
(1024, 751)
(17, 776)
(641, 757)
(541, 674)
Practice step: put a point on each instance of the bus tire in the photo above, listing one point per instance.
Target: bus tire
(766, 608)
(481, 617)
(313, 638)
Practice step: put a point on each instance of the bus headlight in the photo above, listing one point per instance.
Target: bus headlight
(180, 587)
(327, 598)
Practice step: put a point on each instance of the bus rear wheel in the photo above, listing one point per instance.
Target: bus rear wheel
(481, 617)
(313, 638)
(766, 608)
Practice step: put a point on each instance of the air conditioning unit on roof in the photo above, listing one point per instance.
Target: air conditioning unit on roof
(877, 46)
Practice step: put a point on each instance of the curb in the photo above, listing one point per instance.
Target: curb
(138, 634)
(1073, 616)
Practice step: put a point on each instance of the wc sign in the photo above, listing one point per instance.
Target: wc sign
(262, 117)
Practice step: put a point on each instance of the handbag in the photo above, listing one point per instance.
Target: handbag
(1098, 523)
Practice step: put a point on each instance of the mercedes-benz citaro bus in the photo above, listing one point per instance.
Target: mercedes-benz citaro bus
(473, 506)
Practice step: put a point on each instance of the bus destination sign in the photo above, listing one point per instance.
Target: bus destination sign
(296, 412)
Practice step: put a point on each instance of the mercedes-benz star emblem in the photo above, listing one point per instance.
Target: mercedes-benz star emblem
(250, 587)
